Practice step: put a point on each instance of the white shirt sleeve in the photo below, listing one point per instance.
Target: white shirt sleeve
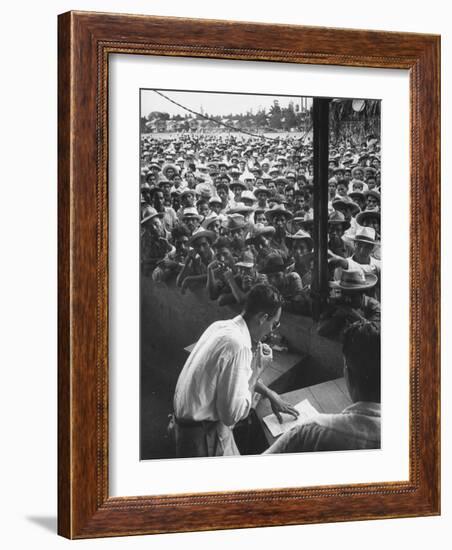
(233, 395)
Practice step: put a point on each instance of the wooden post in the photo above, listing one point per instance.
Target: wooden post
(321, 138)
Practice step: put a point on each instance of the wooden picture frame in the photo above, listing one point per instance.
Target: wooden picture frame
(85, 42)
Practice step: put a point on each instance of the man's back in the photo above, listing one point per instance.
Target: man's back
(213, 384)
(357, 427)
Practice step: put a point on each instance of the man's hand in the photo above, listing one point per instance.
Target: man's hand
(279, 406)
(213, 264)
(191, 255)
(228, 274)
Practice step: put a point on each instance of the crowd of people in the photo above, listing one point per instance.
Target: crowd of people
(226, 212)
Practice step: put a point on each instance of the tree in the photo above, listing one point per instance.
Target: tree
(275, 116)
(290, 117)
(260, 119)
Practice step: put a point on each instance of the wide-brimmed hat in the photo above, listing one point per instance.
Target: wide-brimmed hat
(346, 203)
(240, 209)
(373, 193)
(234, 222)
(337, 217)
(234, 169)
(150, 213)
(260, 210)
(356, 168)
(274, 263)
(279, 198)
(365, 235)
(191, 212)
(246, 261)
(360, 183)
(201, 232)
(262, 189)
(357, 194)
(278, 210)
(188, 191)
(215, 200)
(164, 181)
(204, 190)
(281, 179)
(167, 166)
(248, 196)
(366, 214)
(259, 230)
(211, 218)
(370, 170)
(237, 183)
(301, 235)
(303, 218)
(355, 280)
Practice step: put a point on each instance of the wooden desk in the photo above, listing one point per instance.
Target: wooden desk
(328, 397)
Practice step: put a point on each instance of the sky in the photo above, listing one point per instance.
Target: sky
(212, 103)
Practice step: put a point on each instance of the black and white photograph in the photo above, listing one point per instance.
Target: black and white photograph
(260, 272)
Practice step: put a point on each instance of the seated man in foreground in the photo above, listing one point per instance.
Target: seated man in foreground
(359, 425)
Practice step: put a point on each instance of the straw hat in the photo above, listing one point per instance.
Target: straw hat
(262, 189)
(166, 167)
(200, 233)
(355, 280)
(247, 260)
(365, 235)
(301, 235)
(210, 219)
(373, 193)
(249, 196)
(274, 263)
(257, 231)
(191, 212)
(241, 209)
(235, 222)
(150, 213)
(366, 214)
(278, 210)
(337, 217)
(344, 203)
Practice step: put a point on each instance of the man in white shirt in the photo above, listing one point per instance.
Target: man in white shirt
(216, 386)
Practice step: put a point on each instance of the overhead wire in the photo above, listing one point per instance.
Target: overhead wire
(220, 123)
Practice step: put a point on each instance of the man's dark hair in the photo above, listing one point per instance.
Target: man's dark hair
(262, 298)
(361, 349)
(342, 181)
(201, 202)
(153, 191)
(179, 231)
(222, 242)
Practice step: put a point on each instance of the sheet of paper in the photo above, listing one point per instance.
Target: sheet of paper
(306, 411)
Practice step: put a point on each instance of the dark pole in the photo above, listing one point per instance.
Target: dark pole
(320, 114)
